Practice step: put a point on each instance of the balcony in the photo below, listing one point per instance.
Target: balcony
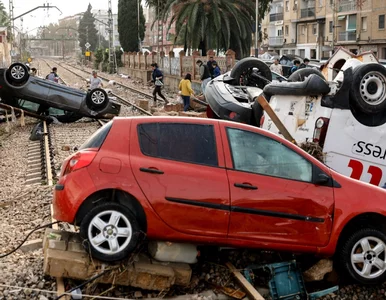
(347, 6)
(276, 41)
(307, 12)
(276, 17)
(347, 36)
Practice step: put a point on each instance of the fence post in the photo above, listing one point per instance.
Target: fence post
(147, 65)
(195, 55)
(162, 55)
(230, 59)
(182, 55)
(171, 55)
(139, 59)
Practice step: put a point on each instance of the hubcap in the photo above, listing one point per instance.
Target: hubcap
(109, 232)
(97, 97)
(17, 72)
(373, 88)
(368, 257)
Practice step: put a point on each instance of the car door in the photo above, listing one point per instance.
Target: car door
(35, 90)
(273, 197)
(64, 97)
(180, 168)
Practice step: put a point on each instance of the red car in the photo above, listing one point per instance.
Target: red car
(208, 181)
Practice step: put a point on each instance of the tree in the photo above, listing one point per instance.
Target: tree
(87, 30)
(128, 24)
(217, 24)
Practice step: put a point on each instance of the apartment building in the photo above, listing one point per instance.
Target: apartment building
(312, 28)
(102, 19)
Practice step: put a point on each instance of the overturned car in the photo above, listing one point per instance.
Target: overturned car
(37, 95)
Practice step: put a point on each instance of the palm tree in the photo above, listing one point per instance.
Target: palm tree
(218, 24)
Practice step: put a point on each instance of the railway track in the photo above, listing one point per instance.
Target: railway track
(120, 98)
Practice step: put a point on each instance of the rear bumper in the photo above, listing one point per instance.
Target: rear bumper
(69, 194)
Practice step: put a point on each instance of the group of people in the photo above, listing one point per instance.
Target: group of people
(277, 67)
(207, 72)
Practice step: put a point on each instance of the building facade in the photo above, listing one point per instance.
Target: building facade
(312, 28)
(102, 19)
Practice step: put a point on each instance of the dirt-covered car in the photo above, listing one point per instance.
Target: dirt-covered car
(34, 94)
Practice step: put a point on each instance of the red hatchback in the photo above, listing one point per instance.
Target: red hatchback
(208, 181)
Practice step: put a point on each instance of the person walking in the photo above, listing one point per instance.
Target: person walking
(95, 81)
(185, 87)
(211, 66)
(295, 66)
(157, 77)
(53, 76)
(204, 74)
(216, 70)
(305, 63)
(276, 67)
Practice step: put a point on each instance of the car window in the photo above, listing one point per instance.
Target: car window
(96, 140)
(255, 153)
(191, 143)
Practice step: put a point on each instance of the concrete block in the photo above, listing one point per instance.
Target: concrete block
(317, 271)
(173, 107)
(142, 103)
(152, 277)
(75, 247)
(182, 271)
(32, 245)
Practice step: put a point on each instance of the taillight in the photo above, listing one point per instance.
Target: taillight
(320, 130)
(79, 160)
(232, 115)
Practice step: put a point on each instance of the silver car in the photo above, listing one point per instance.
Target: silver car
(19, 89)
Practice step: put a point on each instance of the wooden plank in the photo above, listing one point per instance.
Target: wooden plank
(275, 119)
(251, 291)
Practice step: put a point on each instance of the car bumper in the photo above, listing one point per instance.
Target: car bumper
(69, 194)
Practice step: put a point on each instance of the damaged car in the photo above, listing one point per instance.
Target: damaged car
(345, 117)
(37, 95)
(205, 181)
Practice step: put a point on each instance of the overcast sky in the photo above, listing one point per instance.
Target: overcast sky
(42, 17)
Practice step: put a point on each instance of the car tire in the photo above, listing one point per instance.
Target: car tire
(301, 74)
(97, 99)
(100, 233)
(249, 63)
(365, 248)
(368, 93)
(17, 73)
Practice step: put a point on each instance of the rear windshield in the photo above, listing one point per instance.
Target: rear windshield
(97, 139)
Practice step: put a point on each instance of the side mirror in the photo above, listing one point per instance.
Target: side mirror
(322, 179)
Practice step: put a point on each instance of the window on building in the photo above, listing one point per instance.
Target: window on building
(331, 2)
(352, 22)
(287, 6)
(280, 32)
(364, 23)
(302, 52)
(381, 22)
(330, 26)
(314, 29)
(191, 143)
(302, 29)
(255, 153)
(286, 29)
(295, 5)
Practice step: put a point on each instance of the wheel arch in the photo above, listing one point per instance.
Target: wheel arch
(365, 220)
(117, 196)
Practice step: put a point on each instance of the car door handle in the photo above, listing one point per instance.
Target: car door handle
(151, 170)
(245, 186)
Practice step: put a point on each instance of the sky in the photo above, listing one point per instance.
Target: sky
(42, 16)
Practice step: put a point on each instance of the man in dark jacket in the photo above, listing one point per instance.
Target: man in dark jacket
(211, 66)
(158, 82)
(204, 74)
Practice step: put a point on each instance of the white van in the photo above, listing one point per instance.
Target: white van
(349, 122)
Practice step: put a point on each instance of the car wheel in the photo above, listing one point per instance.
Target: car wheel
(97, 99)
(301, 74)
(368, 91)
(110, 231)
(18, 73)
(363, 256)
(243, 72)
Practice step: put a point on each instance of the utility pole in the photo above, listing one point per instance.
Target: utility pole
(257, 29)
(139, 37)
(158, 52)
(111, 42)
(12, 27)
